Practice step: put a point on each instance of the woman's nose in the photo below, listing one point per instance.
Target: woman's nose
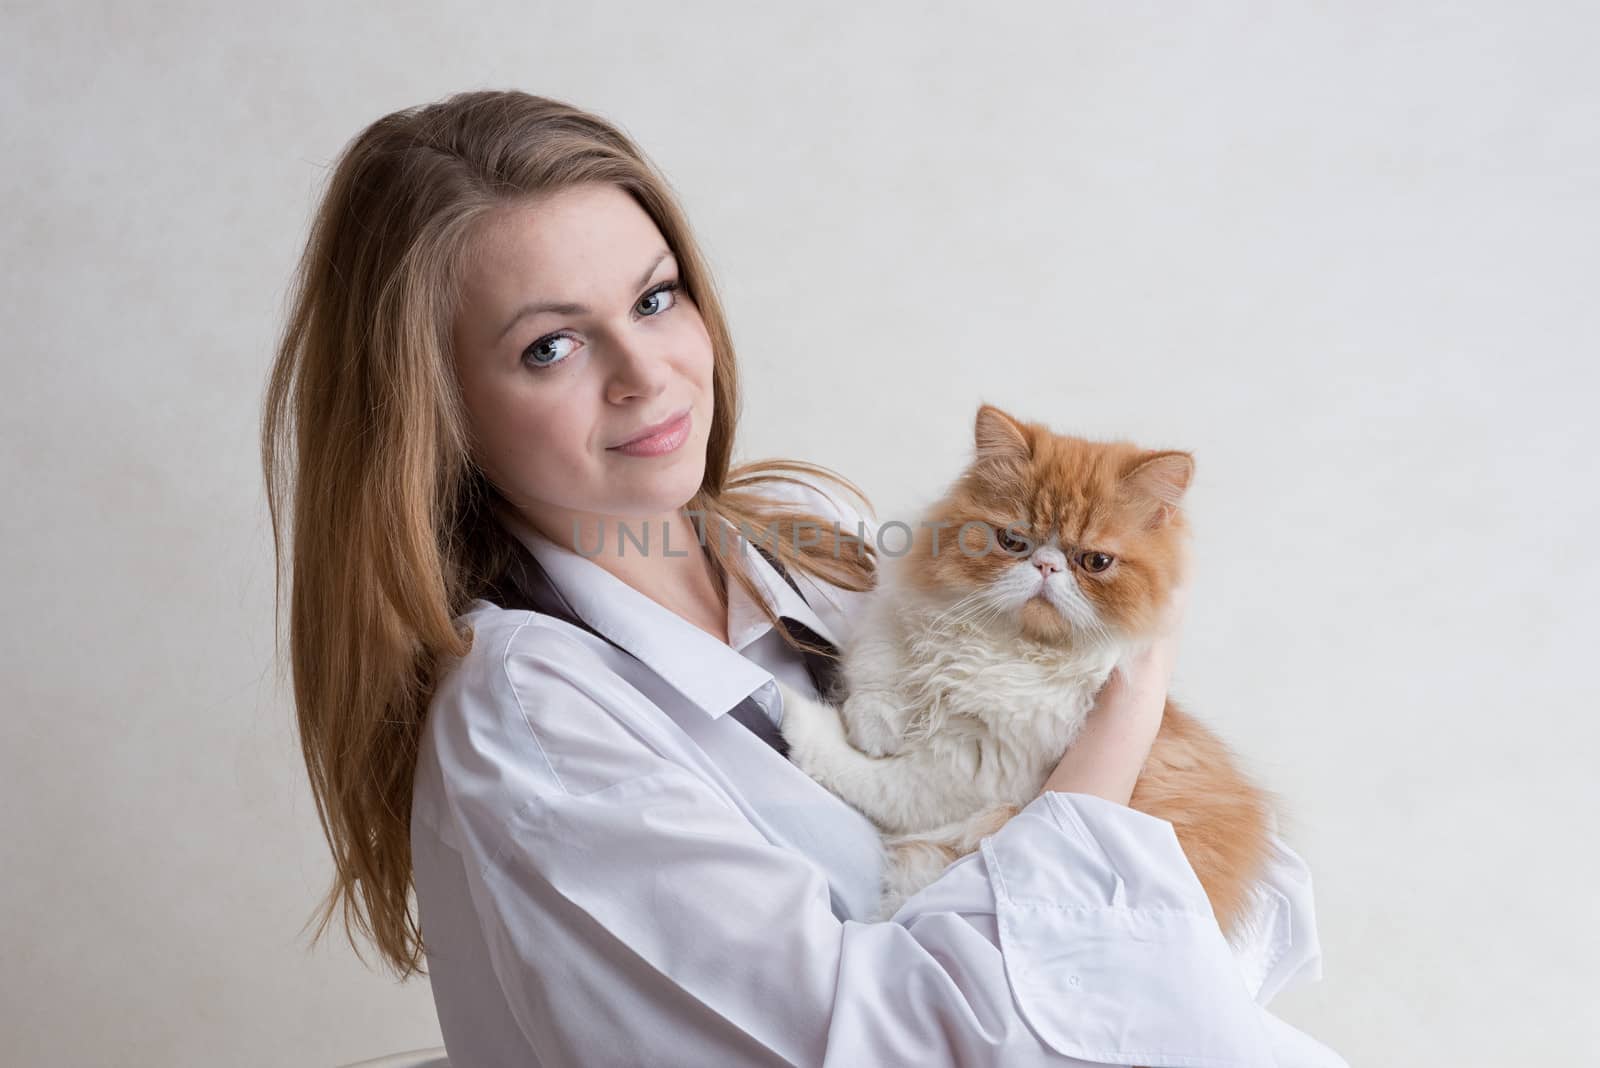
(638, 371)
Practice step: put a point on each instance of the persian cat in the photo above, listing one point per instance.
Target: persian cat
(982, 649)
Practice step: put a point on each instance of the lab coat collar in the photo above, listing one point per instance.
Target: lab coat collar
(713, 676)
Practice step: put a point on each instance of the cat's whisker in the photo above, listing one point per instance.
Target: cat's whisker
(958, 615)
(972, 618)
(995, 611)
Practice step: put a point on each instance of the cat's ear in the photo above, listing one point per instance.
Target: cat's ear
(1156, 483)
(1000, 437)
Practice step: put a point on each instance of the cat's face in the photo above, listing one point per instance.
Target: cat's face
(1087, 536)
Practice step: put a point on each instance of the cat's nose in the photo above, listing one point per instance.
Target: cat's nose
(1048, 559)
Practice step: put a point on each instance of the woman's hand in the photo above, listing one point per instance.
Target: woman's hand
(1110, 750)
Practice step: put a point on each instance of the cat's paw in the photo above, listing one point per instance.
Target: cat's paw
(872, 724)
(807, 724)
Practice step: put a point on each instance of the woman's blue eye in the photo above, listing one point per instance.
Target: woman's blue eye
(661, 290)
(539, 353)
(543, 345)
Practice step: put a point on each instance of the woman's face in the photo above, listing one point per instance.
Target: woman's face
(552, 392)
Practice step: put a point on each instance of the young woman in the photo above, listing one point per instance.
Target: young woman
(534, 673)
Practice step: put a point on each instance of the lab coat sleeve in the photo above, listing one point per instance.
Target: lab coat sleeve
(1276, 943)
(633, 915)
(1275, 947)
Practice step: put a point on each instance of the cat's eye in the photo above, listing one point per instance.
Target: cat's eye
(1009, 541)
(1094, 561)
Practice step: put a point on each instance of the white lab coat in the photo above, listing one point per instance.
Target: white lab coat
(612, 871)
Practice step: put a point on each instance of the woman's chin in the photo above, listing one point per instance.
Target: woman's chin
(665, 491)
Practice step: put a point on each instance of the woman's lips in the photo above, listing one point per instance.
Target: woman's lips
(663, 441)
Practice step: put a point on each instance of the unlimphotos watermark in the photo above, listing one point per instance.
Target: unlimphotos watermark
(973, 538)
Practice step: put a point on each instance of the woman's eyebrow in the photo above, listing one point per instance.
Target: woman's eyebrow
(539, 307)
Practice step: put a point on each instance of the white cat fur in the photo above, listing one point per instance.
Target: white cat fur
(951, 711)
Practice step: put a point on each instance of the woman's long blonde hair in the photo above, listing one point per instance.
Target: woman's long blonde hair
(365, 449)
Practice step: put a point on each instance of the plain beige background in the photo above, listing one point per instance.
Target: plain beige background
(1347, 254)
